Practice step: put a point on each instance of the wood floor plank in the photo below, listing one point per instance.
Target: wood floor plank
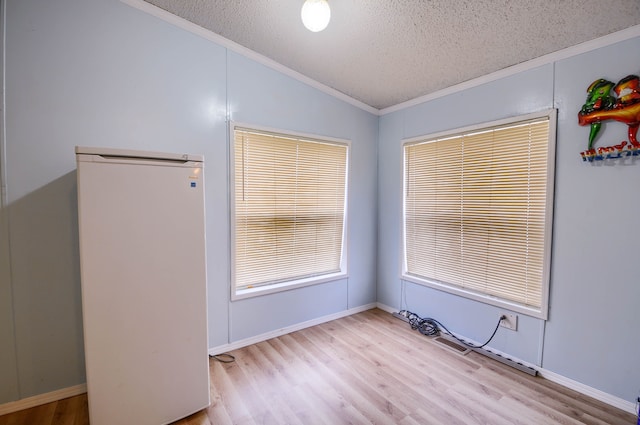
(369, 368)
(281, 390)
(340, 381)
(398, 390)
(67, 409)
(198, 418)
(550, 396)
(349, 387)
(17, 418)
(231, 398)
(294, 379)
(531, 409)
(414, 371)
(372, 405)
(296, 373)
(419, 367)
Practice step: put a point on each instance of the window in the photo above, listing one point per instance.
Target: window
(477, 211)
(288, 212)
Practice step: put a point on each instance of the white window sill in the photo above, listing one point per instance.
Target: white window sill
(284, 286)
(483, 298)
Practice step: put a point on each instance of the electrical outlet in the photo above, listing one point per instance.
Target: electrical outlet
(511, 321)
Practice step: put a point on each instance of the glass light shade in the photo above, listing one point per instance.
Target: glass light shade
(315, 14)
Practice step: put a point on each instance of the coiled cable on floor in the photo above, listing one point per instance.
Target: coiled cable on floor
(431, 327)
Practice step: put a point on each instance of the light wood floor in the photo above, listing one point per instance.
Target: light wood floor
(363, 369)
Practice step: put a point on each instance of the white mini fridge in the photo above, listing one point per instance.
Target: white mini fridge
(143, 270)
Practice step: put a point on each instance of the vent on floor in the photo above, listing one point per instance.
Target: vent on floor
(452, 345)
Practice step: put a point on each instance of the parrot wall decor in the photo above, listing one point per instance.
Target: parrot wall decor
(622, 106)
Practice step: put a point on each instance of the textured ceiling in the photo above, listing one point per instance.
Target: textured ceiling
(385, 52)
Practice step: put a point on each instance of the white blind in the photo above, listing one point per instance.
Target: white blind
(289, 207)
(475, 211)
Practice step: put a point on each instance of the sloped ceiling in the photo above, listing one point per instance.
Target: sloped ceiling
(385, 52)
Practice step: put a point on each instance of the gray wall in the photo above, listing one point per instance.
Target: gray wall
(594, 292)
(101, 73)
(261, 96)
(595, 277)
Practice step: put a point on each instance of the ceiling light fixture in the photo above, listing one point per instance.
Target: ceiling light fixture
(316, 14)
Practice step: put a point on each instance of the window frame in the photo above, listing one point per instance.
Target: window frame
(542, 313)
(243, 293)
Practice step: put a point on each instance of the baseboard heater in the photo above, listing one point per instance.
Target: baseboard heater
(456, 346)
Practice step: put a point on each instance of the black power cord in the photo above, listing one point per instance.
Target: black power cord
(223, 357)
(431, 327)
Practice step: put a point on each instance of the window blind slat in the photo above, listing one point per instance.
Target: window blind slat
(289, 207)
(475, 210)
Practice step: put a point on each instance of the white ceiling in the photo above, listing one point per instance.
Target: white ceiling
(385, 52)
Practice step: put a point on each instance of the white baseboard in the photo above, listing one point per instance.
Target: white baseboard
(386, 308)
(611, 400)
(37, 400)
(283, 331)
